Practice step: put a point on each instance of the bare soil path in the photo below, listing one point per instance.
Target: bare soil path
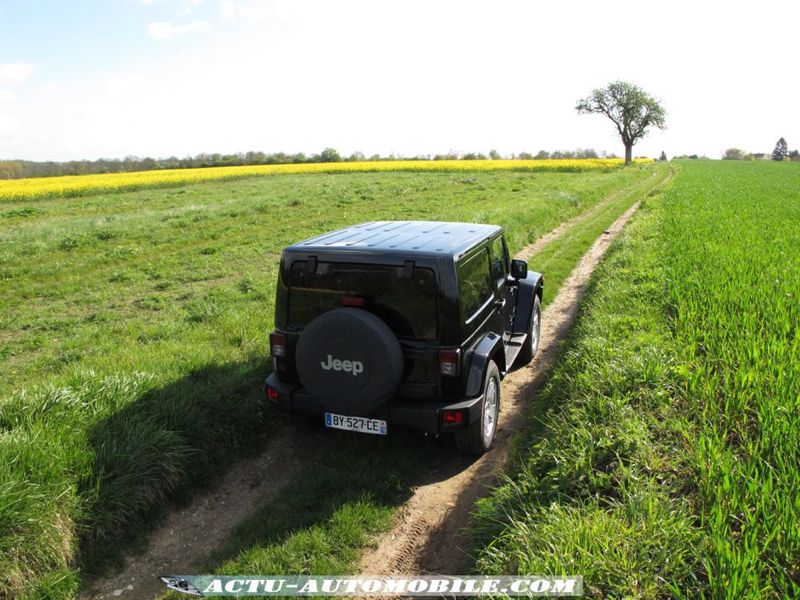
(556, 233)
(186, 537)
(427, 537)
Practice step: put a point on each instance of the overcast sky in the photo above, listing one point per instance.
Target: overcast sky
(111, 78)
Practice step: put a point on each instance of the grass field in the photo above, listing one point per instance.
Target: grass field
(665, 457)
(134, 333)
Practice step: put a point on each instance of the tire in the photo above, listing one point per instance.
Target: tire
(350, 361)
(531, 346)
(478, 438)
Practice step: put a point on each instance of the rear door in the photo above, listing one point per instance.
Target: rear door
(505, 286)
(404, 297)
(477, 296)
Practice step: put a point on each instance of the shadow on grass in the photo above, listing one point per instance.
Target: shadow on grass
(163, 447)
(180, 439)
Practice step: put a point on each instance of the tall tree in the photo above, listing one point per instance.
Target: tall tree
(781, 150)
(632, 110)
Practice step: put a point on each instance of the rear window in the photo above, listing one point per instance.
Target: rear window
(405, 300)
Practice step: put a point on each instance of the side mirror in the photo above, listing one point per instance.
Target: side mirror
(519, 269)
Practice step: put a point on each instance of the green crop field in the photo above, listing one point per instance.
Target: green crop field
(664, 457)
(134, 342)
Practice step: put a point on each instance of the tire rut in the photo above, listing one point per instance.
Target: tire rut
(185, 539)
(556, 233)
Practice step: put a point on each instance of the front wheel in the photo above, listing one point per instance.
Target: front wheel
(478, 438)
(531, 346)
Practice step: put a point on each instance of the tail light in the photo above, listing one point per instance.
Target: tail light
(277, 344)
(453, 417)
(450, 362)
(272, 393)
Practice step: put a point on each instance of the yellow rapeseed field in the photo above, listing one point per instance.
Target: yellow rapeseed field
(79, 185)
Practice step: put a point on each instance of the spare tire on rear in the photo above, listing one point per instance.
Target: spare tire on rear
(350, 360)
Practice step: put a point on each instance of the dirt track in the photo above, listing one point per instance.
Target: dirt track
(187, 536)
(427, 536)
(556, 233)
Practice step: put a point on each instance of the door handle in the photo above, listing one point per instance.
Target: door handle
(500, 302)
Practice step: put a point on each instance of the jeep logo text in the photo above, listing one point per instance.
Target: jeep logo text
(348, 366)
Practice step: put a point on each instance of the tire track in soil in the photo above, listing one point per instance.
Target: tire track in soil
(186, 537)
(427, 536)
(556, 233)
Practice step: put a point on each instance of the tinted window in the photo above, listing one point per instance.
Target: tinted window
(475, 284)
(499, 260)
(405, 300)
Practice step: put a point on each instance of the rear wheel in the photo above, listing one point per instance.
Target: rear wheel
(478, 437)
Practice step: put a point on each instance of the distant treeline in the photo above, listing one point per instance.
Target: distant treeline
(16, 169)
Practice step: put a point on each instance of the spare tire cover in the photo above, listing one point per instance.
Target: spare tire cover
(350, 360)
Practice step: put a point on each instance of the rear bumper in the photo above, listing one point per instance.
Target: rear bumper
(421, 416)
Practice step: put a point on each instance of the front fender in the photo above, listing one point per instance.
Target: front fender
(529, 288)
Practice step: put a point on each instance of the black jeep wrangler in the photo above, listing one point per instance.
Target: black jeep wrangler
(403, 323)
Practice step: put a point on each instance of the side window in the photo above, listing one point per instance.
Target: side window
(499, 260)
(475, 283)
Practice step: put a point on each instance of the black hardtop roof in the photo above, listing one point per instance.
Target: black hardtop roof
(400, 237)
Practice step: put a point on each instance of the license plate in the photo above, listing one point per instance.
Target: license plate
(360, 424)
